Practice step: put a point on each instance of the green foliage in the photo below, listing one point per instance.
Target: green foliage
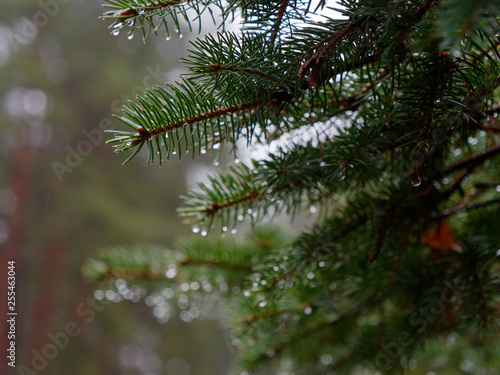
(405, 172)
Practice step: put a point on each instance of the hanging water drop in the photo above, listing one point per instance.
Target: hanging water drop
(313, 209)
(415, 179)
(116, 32)
(233, 231)
(196, 230)
(130, 36)
(204, 233)
(216, 163)
(224, 229)
(236, 160)
(203, 151)
(262, 303)
(308, 310)
(167, 37)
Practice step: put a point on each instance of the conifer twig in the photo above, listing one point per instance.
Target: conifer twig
(472, 160)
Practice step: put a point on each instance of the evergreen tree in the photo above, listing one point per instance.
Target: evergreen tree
(385, 121)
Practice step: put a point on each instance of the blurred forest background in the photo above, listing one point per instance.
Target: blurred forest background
(64, 194)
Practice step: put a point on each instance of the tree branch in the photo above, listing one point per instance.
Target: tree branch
(473, 160)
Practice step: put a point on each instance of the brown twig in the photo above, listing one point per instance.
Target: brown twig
(279, 19)
(145, 134)
(462, 208)
(133, 12)
(473, 160)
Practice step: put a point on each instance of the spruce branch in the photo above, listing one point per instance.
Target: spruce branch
(472, 160)
(172, 120)
(279, 19)
(468, 207)
(354, 111)
(149, 16)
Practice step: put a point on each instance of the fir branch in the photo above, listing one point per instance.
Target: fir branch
(463, 208)
(315, 62)
(144, 135)
(418, 15)
(145, 14)
(122, 273)
(148, 7)
(279, 19)
(189, 261)
(473, 160)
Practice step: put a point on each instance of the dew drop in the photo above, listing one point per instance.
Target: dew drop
(313, 209)
(224, 229)
(167, 37)
(204, 233)
(216, 146)
(116, 32)
(216, 163)
(498, 188)
(196, 230)
(174, 152)
(472, 141)
(180, 36)
(308, 310)
(240, 217)
(262, 303)
(233, 231)
(203, 151)
(171, 272)
(236, 160)
(498, 253)
(276, 268)
(117, 25)
(415, 179)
